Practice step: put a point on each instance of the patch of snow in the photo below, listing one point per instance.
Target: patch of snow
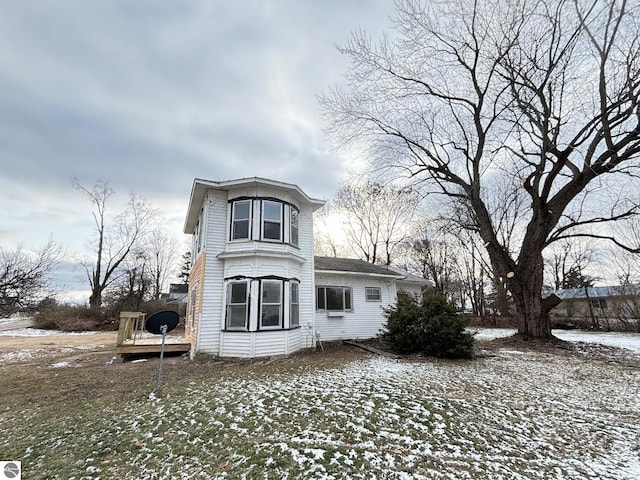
(37, 332)
(628, 340)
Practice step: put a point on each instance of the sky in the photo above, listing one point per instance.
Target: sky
(148, 95)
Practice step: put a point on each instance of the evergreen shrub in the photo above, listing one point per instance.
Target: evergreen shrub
(429, 326)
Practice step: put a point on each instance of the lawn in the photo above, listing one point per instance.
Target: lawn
(512, 413)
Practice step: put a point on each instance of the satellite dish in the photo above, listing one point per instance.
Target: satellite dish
(167, 319)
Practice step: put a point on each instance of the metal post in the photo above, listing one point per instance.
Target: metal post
(163, 329)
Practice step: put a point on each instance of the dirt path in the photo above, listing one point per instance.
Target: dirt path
(52, 342)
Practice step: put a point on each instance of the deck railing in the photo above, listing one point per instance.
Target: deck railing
(131, 327)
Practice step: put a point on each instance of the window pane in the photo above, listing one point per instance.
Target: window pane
(272, 211)
(320, 298)
(271, 292)
(373, 294)
(335, 298)
(238, 292)
(270, 315)
(294, 292)
(240, 229)
(237, 316)
(347, 299)
(272, 230)
(241, 210)
(295, 315)
(294, 227)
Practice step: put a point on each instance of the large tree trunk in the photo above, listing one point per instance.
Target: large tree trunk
(95, 300)
(526, 287)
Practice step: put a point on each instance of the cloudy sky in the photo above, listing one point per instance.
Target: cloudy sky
(150, 94)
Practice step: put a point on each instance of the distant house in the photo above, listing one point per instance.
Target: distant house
(621, 303)
(255, 288)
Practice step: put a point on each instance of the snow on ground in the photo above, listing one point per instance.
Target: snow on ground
(628, 340)
(526, 416)
(37, 332)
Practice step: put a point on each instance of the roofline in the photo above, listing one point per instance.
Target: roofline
(359, 274)
(200, 187)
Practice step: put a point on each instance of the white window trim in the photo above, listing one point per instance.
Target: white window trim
(262, 304)
(246, 308)
(344, 288)
(379, 296)
(291, 303)
(248, 220)
(263, 220)
(293, 210)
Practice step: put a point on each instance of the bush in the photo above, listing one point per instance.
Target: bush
(70, 318)
(430, 326)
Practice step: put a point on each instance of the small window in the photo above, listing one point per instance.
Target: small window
(241, 219)
(271, 304)
(237, 305)
(373, 294)
(293, 230)
(333, 298)
(294, 305)
(271, 220)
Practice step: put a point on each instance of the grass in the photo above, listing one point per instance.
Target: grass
(342, 414)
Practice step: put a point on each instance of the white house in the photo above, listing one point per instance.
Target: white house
(255, 288)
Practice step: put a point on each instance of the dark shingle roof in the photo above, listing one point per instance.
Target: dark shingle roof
(335, 264)
(352, 265)
(598, 292)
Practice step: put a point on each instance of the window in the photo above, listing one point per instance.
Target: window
(241, 220)
(600, 303)
(271, 304)
(271, 220)
(373, 294)
(293, 227)
(333, 298)
(294, 305)
(237, 305)
(193, 303)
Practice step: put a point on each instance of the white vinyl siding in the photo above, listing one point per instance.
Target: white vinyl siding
(365, 320)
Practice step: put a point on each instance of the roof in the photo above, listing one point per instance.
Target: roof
(200, 187)
(352, 266)
(178, 287)
(598, 292)
(410, 277)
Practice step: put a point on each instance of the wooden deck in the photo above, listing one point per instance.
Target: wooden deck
(143, 347)
(134, 340)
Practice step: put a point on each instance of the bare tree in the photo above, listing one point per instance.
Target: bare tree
(161, 253)
(377, 217)
(326, 241)
(566, 263)
(540, 96)
(115, 242)
(26, 277)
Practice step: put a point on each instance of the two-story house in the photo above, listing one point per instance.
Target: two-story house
(255, 289)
